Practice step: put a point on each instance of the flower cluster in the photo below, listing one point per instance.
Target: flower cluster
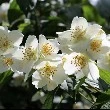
(78, 51)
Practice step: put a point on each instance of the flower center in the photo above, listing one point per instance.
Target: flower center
(77, 34)
(80, 61)
(4, 43)
(48, 71)
(95, 45)
(30, 54)
(47, 49)
(8, 61)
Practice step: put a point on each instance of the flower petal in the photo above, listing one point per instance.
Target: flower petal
(94, 72)
(60, 75)
(31, 41)
(16, 37)
(79, 22)
(51, 86)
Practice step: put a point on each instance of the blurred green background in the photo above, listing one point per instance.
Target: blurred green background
(34, 17)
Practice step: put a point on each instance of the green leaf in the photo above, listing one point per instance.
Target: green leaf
(103, 85)
(14, 12)
(91, 14)
(4, 77)
(105, 75)
(25, 27)
(26, 5)
(81, 81)
(49, 101)
(102, 99)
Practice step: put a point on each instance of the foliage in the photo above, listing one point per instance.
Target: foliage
(34, 17)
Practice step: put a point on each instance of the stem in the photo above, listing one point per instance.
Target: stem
(85, 97)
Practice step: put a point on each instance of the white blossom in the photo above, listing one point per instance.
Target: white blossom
(76, 39)
(98, 45)
(80, 65)
(48, 49)
(27, 55)
(48, 75)
(9, 40)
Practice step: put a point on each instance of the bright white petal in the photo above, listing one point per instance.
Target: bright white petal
(64, 37)
(55, 45)
(36, 75)
(36, 84)
(94, 72)
(79, 22)
(27, 68)
(65, 49)
(80, 46)
(42, 83)
(16, 37)
(51, 86)
(31, 41)
(3, 67)
(85, 70)
(92, 30)
(64, 85)
(42, 64)
(69, 68)
(19, 54)
(42, 39)
(10, 51)
(60, 75)
(17, 74)
(79, 75)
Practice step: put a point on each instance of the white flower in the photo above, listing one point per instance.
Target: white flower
(48, 49)
(77, 37)
(48, 74)
(80, 65)
(104, 61)
(9, 40)
(5, 64)
(27, 56)
(98, 45)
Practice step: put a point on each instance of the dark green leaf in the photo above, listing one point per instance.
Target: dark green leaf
(81, 81)
(105, 75)
(14, 12)
(103, 85)
(49, 101)
(4, 77)
(26, 5)
(102, 99)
